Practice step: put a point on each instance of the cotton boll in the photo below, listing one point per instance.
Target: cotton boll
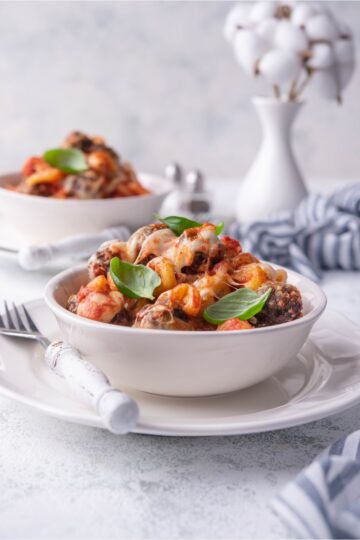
(344, 29)
(301, 13)
(279, 66)
(345, 72)
(266, 29)
(322, 56)
(344, 51)
(321, 27)
(262, 10)
(290, 37)
(325, 84)
(237, 17)
(249, 48)
(319, 7)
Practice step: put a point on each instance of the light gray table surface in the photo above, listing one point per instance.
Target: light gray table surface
(60, 480)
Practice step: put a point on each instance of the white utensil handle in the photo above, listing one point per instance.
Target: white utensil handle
(34, 257)
(118, 411)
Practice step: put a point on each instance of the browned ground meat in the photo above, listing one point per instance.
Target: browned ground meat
(86, 144)
(123, 318)
(199, 259)
(87, 185)
(157, 316)
(284, 305)
(72, 303)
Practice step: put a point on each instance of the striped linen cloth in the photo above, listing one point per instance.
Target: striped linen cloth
(324, 500)
(323, 233)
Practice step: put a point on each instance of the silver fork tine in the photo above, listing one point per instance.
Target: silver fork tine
(31, 323)
(19, 328)
(21, 325)
(42, 339)
(10, 322)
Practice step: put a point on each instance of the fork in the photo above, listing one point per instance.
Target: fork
(118, 411)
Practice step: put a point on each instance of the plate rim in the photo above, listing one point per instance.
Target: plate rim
(334, 405)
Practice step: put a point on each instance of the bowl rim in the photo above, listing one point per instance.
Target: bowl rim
(58, 310)
(165, 189)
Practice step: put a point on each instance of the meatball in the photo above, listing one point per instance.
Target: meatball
(283, 305)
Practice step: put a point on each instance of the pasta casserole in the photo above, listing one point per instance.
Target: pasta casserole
(83, 167)
(181, 275)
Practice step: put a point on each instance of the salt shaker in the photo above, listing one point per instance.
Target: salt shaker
(172, 204)
(174, 172)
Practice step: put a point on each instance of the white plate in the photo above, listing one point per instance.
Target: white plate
(310, 387)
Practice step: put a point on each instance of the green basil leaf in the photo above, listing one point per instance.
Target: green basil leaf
(241, 304)
(134, 280)
(219, 228)
(179, 224)
(68, 160)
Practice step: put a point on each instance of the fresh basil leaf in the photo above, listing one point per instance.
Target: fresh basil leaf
(134, 280)
(241, 304)
(219, 228)
(68, 160)
(179, 224)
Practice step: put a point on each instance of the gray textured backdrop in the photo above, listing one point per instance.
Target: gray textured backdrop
(156, 78)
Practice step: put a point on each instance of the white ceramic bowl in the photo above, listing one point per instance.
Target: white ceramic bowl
(43, 219)
(183, 363)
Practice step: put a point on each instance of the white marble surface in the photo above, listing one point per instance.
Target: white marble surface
(62, 480)
(159, 80)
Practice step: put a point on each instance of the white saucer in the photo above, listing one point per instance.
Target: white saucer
(312, 386)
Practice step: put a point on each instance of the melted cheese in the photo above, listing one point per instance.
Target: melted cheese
(156, 244)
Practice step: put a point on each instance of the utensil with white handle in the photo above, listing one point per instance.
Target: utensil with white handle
(118, 411)
(80, 245)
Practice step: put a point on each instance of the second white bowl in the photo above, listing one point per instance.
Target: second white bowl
(43, 219)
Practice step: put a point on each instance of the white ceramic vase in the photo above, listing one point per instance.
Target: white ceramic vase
(274, 181)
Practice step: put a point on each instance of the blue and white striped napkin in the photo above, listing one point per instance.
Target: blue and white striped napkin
(323, 233)
(324, 500)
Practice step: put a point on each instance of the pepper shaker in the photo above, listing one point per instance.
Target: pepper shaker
(196, 200)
